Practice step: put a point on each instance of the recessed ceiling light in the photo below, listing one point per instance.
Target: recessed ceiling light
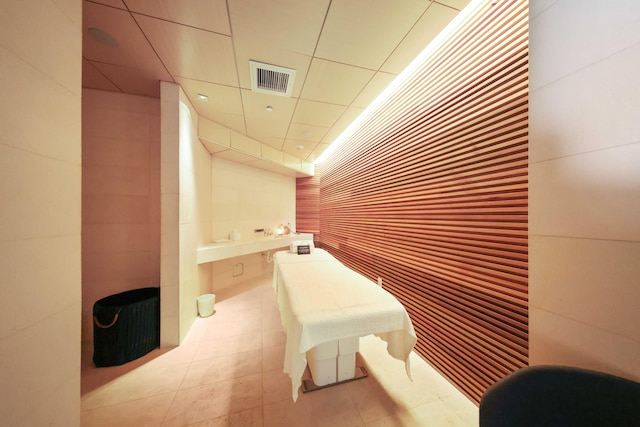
(202, 97)
(269, 108)
(103, 37)
(299, 147)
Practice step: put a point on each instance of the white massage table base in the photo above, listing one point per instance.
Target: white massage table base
(308, 385)
(333, 363)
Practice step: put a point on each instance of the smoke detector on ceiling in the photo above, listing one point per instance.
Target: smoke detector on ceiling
(271, 79)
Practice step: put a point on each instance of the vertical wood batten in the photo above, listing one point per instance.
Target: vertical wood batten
(430, 193)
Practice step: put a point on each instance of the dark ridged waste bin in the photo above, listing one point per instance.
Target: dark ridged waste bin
(126, 326)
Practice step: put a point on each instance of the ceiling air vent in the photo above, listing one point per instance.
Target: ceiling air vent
(266, 78)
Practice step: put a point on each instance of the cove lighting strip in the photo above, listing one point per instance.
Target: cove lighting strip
(453, 26)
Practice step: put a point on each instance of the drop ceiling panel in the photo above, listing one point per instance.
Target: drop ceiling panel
(212, 147)
(306, 133)
(317, 151)
(208, 15)
(133, 52)
(268, 127)
(114, 3)
(297, 144)
(273, 142)
(232, 121)
(223, 100)
(365, 32)
(456, 4)
(206, 49)
(136, 82)
(288, 25)
(229, 122)
(371, 91)
(291, 147)
(435, 19)
(272, 155)
(317, 113)
(189, 52)
(332, 134)
(94, 79)
(344, 121)
(243, 143)
(334, 83)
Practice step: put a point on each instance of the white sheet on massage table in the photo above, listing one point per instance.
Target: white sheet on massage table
(321, 300)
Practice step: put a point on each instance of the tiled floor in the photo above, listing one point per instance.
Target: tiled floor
(228, 372)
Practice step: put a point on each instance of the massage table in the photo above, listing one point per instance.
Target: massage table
(324, 308)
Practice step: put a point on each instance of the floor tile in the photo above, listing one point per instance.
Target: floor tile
(144, 412)
(134, 385)
(247, 418)
(225, 367)
(228, 372)
(215, 400)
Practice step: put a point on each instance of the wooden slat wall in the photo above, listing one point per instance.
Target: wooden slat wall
(430, 194)
(308, 204)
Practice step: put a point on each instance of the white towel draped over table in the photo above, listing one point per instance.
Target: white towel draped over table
(321, 300)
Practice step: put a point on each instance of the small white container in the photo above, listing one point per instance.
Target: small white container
(206, 303)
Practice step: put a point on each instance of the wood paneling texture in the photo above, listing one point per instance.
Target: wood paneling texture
(430, 194)
(308, 204)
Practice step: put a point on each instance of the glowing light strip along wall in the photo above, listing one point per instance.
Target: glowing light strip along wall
(430, 194)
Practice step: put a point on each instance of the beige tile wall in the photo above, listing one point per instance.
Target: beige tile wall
(120, 196)
(204, 198)
(186, 214)
(40, 175)
(170, 214)
(585, 185)
(225, 273)
(195, 213)
(246, 199)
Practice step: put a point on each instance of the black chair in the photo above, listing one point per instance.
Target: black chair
(560, 396)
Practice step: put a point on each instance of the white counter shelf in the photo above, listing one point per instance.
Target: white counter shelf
(230, 249)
